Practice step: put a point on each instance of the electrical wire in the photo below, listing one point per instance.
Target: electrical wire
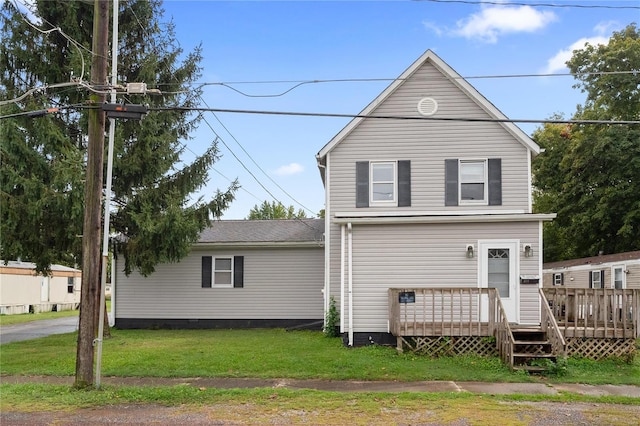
(509, 3)
(399, 117)
(70, 39)
(219, 138)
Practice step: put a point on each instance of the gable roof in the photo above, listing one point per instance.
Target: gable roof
(282, 232)
(455, 78)
(594, 260)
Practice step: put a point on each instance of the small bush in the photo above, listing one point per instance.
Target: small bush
(332, 320)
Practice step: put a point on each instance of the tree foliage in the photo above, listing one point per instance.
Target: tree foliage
(43, 158)
(590, 174)
(274, 210)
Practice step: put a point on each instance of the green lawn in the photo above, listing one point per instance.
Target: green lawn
(22, 318)
(275, 353)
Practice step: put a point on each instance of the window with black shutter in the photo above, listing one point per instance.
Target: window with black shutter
(380, 183)
(222, 271)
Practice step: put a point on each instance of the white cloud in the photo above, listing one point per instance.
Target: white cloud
(558, 61)
(433, 27)
(289, 169)
(496, 21)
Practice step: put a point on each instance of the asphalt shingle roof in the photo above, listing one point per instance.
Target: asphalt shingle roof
(264, 231)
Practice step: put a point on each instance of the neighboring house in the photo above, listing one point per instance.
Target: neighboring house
(438, 198)
(616, 271)
(240, 274)
(23, 291)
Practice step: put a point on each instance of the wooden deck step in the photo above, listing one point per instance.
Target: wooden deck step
(530, 368)
(532, 355)
(532, 342)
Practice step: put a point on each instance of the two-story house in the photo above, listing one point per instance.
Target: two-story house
(429, 188)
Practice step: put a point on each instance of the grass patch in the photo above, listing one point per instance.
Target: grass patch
(22, 318)
(267, 406)
(275, 353)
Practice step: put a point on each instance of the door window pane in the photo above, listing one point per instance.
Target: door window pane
(498, 271)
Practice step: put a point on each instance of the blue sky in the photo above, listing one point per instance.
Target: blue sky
(294, 41)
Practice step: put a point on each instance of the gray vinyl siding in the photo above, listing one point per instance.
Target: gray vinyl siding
(424, 255)
(427, 143)
(279, 283)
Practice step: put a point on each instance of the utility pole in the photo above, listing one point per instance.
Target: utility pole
(89, 296)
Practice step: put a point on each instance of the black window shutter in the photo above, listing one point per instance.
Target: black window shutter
(590, 279)
(602, 285)
(207, 263)
(561, 278)
(495, 181)
(238, 271)
(362, 184)
(404, 183)
(451, 182)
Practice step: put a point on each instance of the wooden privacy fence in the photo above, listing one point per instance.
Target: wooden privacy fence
(595, 313)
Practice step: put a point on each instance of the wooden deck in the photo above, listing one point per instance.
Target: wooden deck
(588, 322)
(595, 313)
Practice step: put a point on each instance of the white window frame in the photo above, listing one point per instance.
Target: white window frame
(600, 279)
(557, 278)
(484, 181)
(71, 285)
(393, 182)
(622, 269)
(214, 271)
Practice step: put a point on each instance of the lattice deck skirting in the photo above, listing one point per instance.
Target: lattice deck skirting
(600, 348)
(448, 345)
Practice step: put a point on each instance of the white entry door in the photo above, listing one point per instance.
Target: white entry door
(498, 266)
(44, 289)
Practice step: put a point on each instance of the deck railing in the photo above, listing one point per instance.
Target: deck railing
(597, 313)
(440, 312)
(501, 329)
(550, 327)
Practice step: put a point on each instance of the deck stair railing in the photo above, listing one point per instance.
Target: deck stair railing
(501, 329)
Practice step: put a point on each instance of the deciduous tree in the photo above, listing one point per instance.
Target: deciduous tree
(275, 210)
(590, 173)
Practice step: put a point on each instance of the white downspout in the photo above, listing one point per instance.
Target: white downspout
(350, 269)
(342, 290)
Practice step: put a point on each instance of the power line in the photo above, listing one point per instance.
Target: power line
(554, 5)
(237, 142)
(298, 83)
(337, 115)
(398, 117)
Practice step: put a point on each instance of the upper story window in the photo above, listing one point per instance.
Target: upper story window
(473, 181)
(383, 182)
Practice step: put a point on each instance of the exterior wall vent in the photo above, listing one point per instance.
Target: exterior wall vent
(427, 106)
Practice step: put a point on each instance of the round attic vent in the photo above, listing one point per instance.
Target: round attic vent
(427, 106)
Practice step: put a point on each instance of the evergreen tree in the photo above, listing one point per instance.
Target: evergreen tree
(43, 158)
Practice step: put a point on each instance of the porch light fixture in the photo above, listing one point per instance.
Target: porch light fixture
(470, 251)
(527, 250)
